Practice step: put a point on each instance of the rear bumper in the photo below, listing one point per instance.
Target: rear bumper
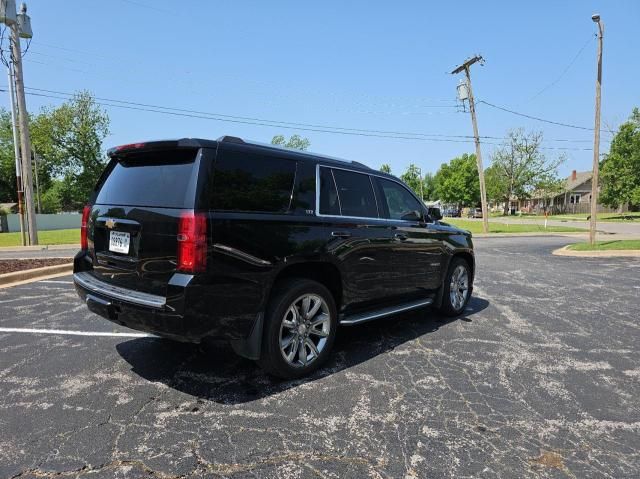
(133, 309)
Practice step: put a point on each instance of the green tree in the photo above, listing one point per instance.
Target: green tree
(620, 169)
(429, 188)
(413, 178)
(518, 168)
(294, 141)
(457, 182)
(68, 142)
(386, 168)
(7, 160)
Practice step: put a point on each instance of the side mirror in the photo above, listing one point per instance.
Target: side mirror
(412, 216)
(435, 214)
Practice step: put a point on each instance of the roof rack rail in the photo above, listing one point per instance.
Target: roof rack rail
(231, 139)
(357, 163)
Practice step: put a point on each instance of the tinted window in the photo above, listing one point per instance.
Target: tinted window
(155, 179)
(329, 204)
(399, 200)
(356, 194)
(252, 182)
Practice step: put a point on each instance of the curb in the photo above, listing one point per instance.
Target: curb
(52, 247)
(29, 275)
(620, 253)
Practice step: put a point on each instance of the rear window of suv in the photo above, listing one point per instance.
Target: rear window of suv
(153, 179)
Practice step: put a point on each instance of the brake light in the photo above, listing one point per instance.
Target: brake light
(192, 242)
(86, 212)
(130, 146)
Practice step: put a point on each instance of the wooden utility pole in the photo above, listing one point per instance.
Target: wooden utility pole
(472, 108)
(25, 141)
(596, 138)
(16, 149)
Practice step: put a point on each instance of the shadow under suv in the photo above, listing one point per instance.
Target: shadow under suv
(269, 248)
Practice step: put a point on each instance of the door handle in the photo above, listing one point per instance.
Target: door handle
(341, 234)
(400, 236)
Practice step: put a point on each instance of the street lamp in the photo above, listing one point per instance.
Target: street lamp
(596, 137)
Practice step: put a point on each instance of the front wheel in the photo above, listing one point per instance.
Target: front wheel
(300, 329)
(457, 288)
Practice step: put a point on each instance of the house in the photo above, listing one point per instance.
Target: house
(574, 198)
(577, 192)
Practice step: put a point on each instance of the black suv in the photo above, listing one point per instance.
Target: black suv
(269, 248)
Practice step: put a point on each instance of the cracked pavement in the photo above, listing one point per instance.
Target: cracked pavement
(540, 378)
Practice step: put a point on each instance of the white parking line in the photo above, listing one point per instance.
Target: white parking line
(75, 333)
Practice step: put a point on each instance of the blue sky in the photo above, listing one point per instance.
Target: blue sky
(368, 65)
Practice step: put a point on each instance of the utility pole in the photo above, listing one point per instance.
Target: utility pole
(25, 142)
(472, 108)
(35, 171)
(16, 148)
(596, 137)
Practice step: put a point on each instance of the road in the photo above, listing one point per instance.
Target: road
(540, 378)
(629, 229)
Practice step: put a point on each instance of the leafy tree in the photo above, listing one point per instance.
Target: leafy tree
(518, 168)
(7, 160)
(386, 168)
(68, 142)
(429, 187)
(620, 177)
(294, 141)
(457, 182)
(413, 178)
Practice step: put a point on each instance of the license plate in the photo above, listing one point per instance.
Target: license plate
(119, 242)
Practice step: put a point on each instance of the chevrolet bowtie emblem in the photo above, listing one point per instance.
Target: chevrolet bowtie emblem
(110, 223)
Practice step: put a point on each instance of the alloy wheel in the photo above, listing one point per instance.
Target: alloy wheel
(459, 287)
(304, 330)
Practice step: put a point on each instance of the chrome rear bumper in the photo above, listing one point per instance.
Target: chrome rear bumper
(87, 281)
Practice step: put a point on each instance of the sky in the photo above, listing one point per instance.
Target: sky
(359, 65)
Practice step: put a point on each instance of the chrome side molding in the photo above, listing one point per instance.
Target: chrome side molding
(381, 313)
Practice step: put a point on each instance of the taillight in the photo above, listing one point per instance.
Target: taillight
(192, 242)
(86, 212)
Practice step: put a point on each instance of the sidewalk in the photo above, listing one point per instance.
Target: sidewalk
(632, 230)
(40, 251)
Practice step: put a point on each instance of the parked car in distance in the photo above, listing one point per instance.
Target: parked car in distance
(452, 213)
(269, 248)
(475, 213)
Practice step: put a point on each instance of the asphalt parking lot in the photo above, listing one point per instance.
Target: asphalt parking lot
(541, 378)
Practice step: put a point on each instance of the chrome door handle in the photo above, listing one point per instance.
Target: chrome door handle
(341, 234)
(400, 236)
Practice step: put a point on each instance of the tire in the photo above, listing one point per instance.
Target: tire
(295, 343)
(454, 304)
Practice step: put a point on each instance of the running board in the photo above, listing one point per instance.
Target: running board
(380, 313)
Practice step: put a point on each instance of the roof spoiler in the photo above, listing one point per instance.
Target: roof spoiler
(132, 148)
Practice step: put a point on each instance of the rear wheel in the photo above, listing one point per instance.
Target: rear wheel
(457, 288)
(300, 329)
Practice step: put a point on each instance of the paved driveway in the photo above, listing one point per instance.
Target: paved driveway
(540, 378)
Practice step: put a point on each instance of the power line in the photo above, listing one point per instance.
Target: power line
(278, 123)
(567, 125)
(287, 125)
(591, 38)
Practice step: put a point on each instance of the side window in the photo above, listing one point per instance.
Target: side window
(399, 200)
(329, 203)
(252, 182)
(355, 194)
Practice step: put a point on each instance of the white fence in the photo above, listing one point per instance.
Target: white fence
(48, 222)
